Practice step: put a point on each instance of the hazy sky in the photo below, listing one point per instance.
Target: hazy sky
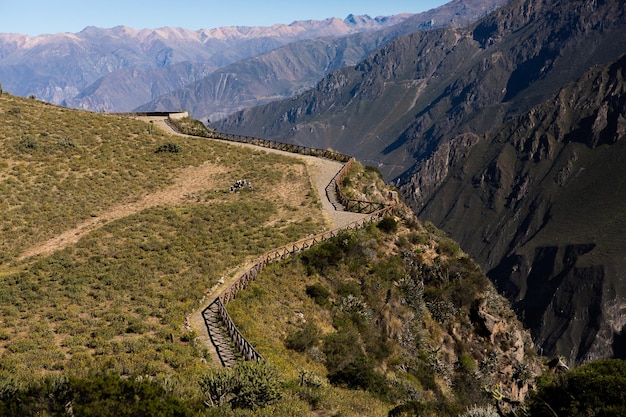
(35, 17)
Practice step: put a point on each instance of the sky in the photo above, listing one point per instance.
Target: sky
(36, 17)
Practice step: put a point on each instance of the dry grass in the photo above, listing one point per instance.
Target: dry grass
(107, 245)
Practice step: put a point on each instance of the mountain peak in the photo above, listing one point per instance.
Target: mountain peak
(354, 20)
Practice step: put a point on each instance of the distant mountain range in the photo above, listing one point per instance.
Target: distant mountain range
(508, 135)
(66, 67)
(298, 66)
(210, 73)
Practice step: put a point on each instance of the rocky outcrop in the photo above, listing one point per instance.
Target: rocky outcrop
(536, 196)
(511, 343)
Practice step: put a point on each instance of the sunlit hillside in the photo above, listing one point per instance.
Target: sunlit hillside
(148, 225)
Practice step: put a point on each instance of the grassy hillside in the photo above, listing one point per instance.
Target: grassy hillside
(117, 298)
(390, 318)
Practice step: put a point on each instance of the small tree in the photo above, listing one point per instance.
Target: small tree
(248, 385)
(169, 147)
(304, 339)
(0, 89)
(388, 225)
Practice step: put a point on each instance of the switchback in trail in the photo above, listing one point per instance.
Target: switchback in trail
(208, 320)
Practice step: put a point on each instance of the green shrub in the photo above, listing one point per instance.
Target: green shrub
(341, 348)
(302, 340)
(188, 337)
(467, 363)
(432, 229)
(169, 147)
(347, 288)
(595, 389)
(442, 311)
(249, 385)
(448, 247)
(28, 143)
(356, 374)
(348, 365)
(330, 253)
(312, 388)
(388, 225)
(66, 142)
(374, 170)
(96, 395)
(322, 257)
(318, 293)
(360, 374)
(409, 408)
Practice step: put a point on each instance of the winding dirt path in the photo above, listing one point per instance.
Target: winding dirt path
(321, 171)
(190, 180)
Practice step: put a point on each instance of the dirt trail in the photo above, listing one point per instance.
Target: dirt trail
(321, 172)
(190, 180)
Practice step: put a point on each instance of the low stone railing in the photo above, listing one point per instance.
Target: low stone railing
(287, 147)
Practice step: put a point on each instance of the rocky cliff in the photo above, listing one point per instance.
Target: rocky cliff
(548, 190)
